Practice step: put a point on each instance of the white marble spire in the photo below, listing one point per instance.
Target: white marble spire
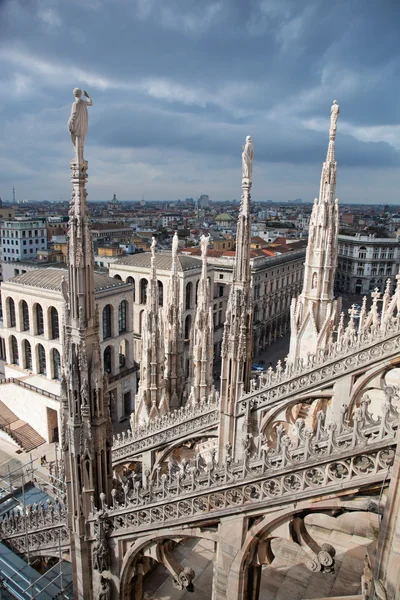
(174, 377)
(315, 313)
(86, 433)
(202, 384)
(237, 344)
(150, 392)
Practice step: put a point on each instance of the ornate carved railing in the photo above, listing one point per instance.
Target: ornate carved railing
(180, 423)
(312, 463)
(41, 527)
(378, 343)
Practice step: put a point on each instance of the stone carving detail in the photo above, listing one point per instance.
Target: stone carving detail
(105, 590)
(332, 458)
(101, 552)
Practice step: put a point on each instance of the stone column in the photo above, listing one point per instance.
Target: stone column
(227, 583)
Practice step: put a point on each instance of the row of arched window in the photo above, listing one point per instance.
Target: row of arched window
(26, 360)
(143, 285)
(38, 320)
(108, 319)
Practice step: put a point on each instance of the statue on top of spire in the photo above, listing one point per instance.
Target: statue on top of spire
(175, 244)
(204, 241)
(78, 122)
(247, 159)
(335, 110)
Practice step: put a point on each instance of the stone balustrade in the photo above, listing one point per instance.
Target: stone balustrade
(358, 451)
(184, 421)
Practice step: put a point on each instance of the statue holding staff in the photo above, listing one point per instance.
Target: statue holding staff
(78, 122)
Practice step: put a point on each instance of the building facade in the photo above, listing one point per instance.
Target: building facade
(365, 263)
(33, 334)
(23, 237)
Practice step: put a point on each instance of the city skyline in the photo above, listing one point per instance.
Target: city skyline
(176, 88)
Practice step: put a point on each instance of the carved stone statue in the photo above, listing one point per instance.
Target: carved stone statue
(175, 244)
(101, 553)
(204, 241)
(335, 110)
(247, 159)
(78, 122)
(105, 590)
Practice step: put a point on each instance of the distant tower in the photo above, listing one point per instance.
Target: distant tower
(114, 204)
(237, 343)
(85, 417)
(142, 202)
(13, 194)
(315, 313)
(202, 383)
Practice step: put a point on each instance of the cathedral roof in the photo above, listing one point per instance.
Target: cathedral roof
(163, 261)
(50, 279)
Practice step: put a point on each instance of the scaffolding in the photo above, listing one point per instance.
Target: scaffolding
(18, 578)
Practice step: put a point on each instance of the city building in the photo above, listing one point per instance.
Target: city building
(22, 238)
(33, 337)
(365, 262)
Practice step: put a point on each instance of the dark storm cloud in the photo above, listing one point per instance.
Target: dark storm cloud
(196, 77)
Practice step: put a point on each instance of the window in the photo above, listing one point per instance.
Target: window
(107, 321)
(188, 326)
(188, 295)
(39, 320)
(55, 326)
(160, 293)
(132, 282)
(107, 360)
(122, 316)
(143, 291)
(221, 276)
(220, 290)
(41, 359)
(56, 364)
(14, 351)
(362, 253)
(28, 355)
(11, 312)
(25, 316)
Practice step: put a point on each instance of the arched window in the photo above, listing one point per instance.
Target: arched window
(55, 326)
(107, 360)
(11, 312)
(107, 321)
(362, 253)
(25, 316)
(188, 326)
(143, 291)
(141, 314)
(122, 316)
(188, 303)
(56, 364)
(14, 350)
(160, 293)
(41, 359)
(39, 320)
(132, 282)
(118, 277)
(28, 355)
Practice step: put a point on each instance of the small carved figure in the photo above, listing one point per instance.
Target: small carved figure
(314, 281)
(247, 158)
(175, 244)
(78, 122)
(105, 590)
(101, 553)
(335, 110)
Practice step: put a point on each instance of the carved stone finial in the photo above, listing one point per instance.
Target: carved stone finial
(247, 159)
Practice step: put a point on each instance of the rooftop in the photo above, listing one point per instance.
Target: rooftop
(163, 261)
(50, 279)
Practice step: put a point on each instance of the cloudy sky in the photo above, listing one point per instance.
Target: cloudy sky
(178, 84)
